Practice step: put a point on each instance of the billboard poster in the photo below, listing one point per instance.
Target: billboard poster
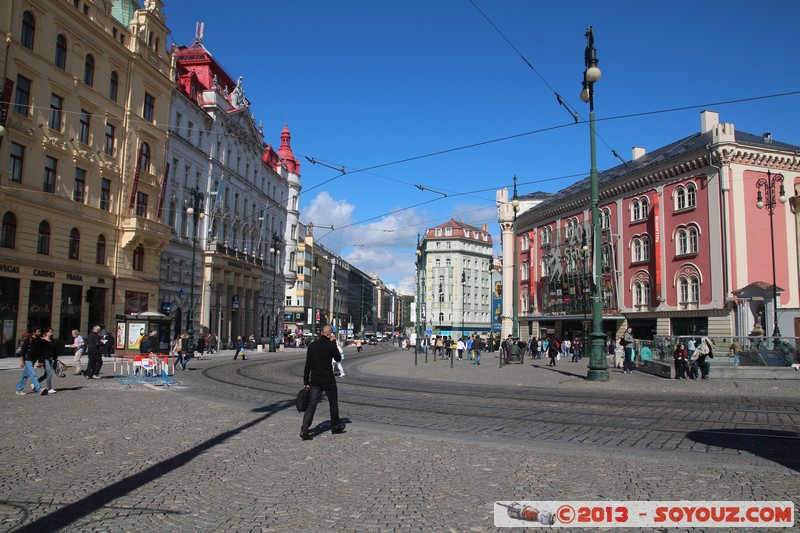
(137, 331)
(120, 335)
(497, 305)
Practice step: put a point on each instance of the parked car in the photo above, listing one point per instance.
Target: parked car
(372, 340)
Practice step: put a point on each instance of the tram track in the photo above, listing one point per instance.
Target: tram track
(483, 403)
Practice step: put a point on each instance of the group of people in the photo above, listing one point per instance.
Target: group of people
(37, 348)
(691, 358)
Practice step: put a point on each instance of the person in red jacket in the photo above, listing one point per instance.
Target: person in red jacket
(318, 376)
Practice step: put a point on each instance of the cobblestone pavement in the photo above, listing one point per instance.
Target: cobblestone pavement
(207, 455)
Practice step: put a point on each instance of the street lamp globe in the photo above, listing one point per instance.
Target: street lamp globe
(593, 74)
(190, 210)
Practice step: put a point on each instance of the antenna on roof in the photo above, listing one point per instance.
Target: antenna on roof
(198, 32)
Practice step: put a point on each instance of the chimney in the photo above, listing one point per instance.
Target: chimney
(767, 137)
(638, 152)
(485, 228)
(708, 121)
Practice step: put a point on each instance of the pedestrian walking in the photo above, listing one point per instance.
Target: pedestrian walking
(318, 377)
(337, 365)
(200, 347)
(460, 348)
(78, 345)
(477, 346)
(552, 351)
(48, 356)
(28, 355)
(736, 349)
(239, 348)
(627, 344)
(93, 343)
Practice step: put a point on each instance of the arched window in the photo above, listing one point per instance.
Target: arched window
(641, 249)
(683, 288)
(637, 250)
(680, 198)
(636, 210)
(138, 258)
(172, 215)
(523, 271)
(641, 293)
(74, 243)
(447, 262)
(113, 86)
(605, 218)
(683, 242)
(100, 250)
(28, 30)
(692, 240)
(145, 157)
(523, 300)
(43, 242)
(526, 241)
(691, 195)
(88, 70)
(292, 262)
(8, 235)
(437, 263)
(694, 289)
(61, 52)
(645, 207)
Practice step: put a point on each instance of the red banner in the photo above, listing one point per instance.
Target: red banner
(8, 88)
(162, 193)
(657, 245)
(135, 187)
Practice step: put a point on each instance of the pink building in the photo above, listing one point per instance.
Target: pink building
(685, 248)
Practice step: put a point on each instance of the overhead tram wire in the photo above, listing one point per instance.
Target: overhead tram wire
(571, 110)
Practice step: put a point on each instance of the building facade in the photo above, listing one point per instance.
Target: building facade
(220, 163)
(86, 100)
(454, 271)
(684, 245)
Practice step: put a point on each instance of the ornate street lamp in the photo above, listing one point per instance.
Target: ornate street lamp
(598, 364)
(194, 208)
(275, 251)
(418, 325)
(768, 185)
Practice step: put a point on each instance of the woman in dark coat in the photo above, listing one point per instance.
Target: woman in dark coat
(681, 356)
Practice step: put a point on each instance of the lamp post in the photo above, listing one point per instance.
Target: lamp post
(314, 270)
(275, 251)
(768, 185)
(417, 325)
(194, 208)
(463, 299)
(598, 364)
(515, 288)
(586, 290)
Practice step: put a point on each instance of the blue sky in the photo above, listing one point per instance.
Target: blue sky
(365, 84)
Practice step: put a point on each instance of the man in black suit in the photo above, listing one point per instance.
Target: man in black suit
(318, 376)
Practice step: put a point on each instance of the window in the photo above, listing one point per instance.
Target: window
(15, 160)
(691, 195)
(639, 208)
(141, 204)
(100, 250)
(448, 232)
(8, 234)
(56, 107)
(108, 148)
(50, 169)
(145, 151)
(113, 86)
(641, 249)
(83, 130)
(605, 218)
(88, 70)
(438, 232)
(78, 193)
(689, 290)
(641, 293)
(43, 242)
(138, 258)
(61, 52)
(105, 194)
(687, 241)
(523, 271)
(74, 243)
(172, 215)
(149, 107)
(526, 241)
(28, 30)
(685, 197)
(22, 96)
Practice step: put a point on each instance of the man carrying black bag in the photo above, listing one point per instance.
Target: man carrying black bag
(318, 377)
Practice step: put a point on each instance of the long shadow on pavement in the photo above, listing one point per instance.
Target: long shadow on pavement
(73, 512)
(564, 372)
(777, 446)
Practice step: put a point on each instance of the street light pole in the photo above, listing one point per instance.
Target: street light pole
(417, 325)
(598, 364)
(515, 288)
(275, 250)
(194, 208)
(768, 185)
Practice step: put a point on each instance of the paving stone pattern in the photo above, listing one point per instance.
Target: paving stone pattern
(209, 456)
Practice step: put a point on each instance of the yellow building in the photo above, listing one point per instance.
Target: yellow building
(82, 163)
